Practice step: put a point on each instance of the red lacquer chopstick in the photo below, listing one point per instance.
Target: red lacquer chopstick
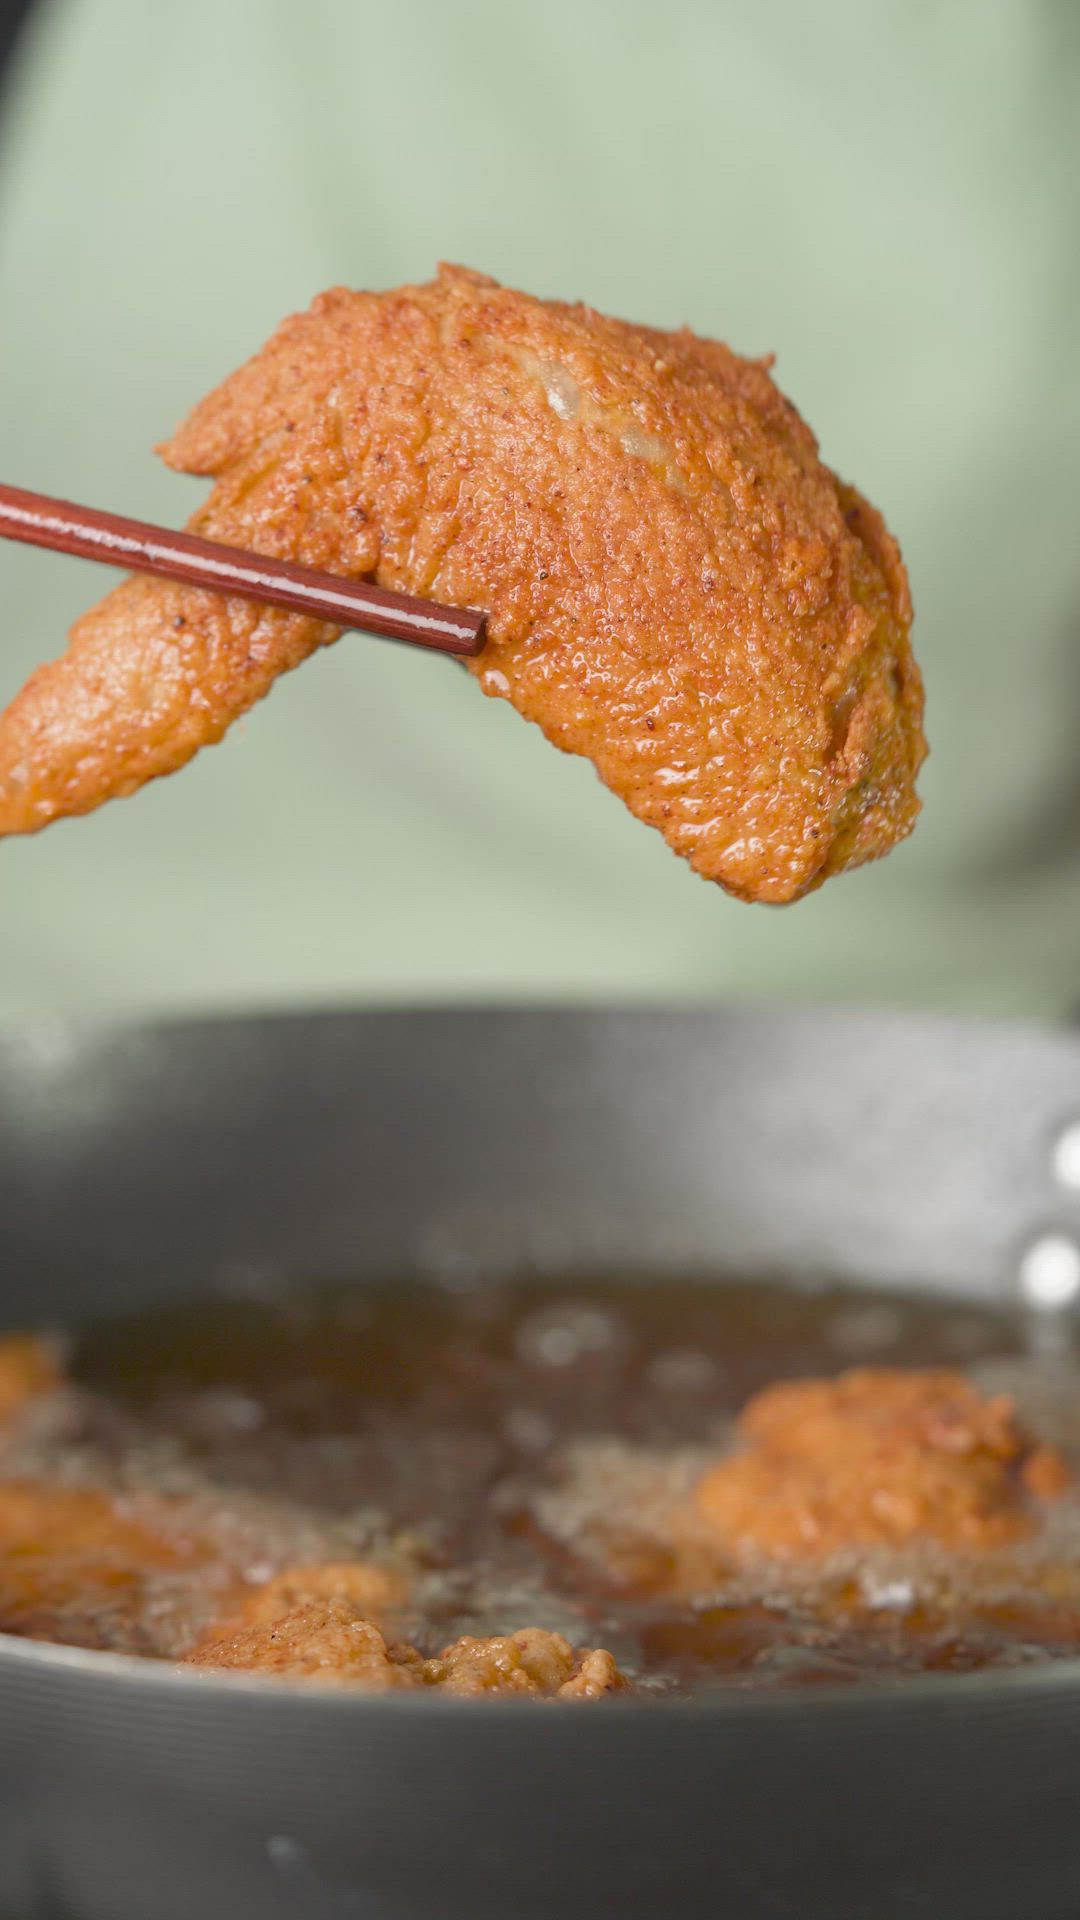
(42, 522)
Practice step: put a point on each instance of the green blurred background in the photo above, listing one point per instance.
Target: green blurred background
(886, 192)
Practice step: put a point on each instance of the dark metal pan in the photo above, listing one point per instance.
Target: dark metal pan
(144, 1166)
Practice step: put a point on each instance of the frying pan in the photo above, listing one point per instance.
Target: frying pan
(152, 1165)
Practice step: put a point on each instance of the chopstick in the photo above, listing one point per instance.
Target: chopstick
(42, 522)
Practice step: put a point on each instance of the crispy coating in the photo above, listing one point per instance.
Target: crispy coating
(313, 1623)
(877, 1457)
(28, 1366)
(318, 1640)
(529, 1662)
(677, 587)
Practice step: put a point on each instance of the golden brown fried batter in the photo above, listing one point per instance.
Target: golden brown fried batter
(28, 1366)
(529, 1662)
(877, 1457)
(318, 1640)
(312, 1623)
(677, 588)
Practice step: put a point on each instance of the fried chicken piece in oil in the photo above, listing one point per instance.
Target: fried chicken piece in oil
(677, 587)
(312, 1623)
(877, 1457)
(368, 1589)
(28, 1366)
(70, 1559)
(315, 1640)
(529, 1662)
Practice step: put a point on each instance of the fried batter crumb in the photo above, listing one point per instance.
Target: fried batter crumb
(676, 586)
(877, 1457)
(317, 1640)
(529, 1662)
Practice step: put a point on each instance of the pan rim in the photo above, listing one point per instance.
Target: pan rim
(92, 1027)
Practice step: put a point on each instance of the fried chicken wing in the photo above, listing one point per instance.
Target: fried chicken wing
(677, 587)
(880, 1457)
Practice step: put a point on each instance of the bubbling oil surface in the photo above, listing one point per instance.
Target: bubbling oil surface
(518, 1449)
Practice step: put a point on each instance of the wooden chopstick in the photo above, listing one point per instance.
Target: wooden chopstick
(42, 522)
